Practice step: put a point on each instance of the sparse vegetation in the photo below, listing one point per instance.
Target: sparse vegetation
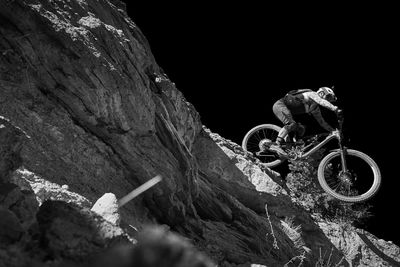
(301, 258)
(326, 260)
(294, 233)
(303, 182)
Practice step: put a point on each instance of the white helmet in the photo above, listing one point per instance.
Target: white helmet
(327, 94)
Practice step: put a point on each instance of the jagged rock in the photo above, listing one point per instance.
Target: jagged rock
(70, 232)
(45, 190)
(107, 207)
(360, 247)
(84, 85)
(265, 179)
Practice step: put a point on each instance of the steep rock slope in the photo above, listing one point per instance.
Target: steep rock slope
(86, 105)
(357, 247)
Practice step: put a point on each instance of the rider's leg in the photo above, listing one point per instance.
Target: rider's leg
(300, 130)
(282, 135)
(285, 116)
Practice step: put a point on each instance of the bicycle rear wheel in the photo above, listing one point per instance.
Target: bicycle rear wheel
(254, 138)
(359, 183)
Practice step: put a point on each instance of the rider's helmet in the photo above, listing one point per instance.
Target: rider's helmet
(327, 94)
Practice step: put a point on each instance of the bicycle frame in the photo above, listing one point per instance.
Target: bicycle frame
(337, 134)
(333, 135)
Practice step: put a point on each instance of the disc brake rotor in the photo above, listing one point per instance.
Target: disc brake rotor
(346, 178)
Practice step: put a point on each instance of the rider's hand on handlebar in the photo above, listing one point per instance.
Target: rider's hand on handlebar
(339, 112)
(335, 132)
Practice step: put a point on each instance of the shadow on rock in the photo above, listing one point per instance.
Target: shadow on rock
(156, 247)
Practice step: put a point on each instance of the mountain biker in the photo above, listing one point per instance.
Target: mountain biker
(300, 102)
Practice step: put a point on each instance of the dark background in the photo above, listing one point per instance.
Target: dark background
(233, 62)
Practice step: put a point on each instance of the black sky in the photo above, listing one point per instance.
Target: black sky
(233, 61)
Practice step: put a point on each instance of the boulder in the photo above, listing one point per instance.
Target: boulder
(71, 232)
(107, 207)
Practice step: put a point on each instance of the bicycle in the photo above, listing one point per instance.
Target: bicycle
(342, 173)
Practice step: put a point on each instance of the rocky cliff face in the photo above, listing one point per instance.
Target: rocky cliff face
(86, 110)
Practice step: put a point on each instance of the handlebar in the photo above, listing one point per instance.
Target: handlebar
(339, 113)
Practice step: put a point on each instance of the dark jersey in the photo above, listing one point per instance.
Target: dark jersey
(294, 101)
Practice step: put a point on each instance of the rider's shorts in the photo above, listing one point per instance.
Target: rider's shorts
(283, 113)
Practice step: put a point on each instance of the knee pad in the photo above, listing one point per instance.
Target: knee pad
(300, 130)
(290, 127)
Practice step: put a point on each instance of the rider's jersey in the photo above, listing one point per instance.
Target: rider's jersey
(295, 102)
(305, 101)
(308, 102)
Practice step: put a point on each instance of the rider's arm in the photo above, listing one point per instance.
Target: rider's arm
(318, 117)
(320, 101)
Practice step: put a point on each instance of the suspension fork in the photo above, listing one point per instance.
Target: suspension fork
(343, 149)
(343, 153)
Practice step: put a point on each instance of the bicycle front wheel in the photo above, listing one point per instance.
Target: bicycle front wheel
(254, 138)
(359, 182)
